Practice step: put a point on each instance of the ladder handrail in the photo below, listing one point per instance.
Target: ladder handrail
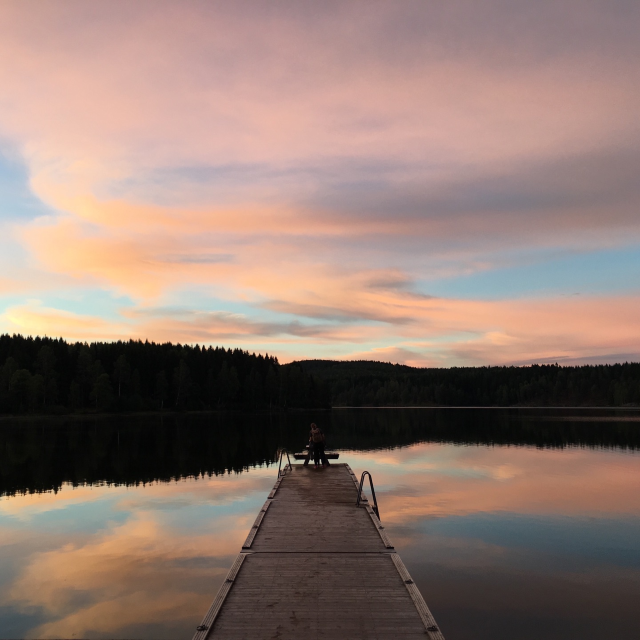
(281, 453)
(373, 493)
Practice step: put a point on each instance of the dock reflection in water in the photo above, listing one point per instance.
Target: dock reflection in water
(514, 524)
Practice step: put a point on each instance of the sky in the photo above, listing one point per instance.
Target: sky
(437, 184)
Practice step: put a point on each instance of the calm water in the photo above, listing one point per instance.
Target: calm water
(514, 524)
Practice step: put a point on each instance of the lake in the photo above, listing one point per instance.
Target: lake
(513, 523)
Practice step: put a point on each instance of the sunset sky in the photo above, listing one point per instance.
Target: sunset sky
(434, 183)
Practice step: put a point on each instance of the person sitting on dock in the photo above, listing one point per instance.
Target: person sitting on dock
(317, 439)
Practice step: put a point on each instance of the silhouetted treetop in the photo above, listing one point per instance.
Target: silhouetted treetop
(47, 375)
(365, 383)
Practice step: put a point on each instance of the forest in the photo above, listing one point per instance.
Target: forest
(52, 376)
(366, 384)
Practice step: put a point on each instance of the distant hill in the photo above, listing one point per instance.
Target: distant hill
(327, 369)
(370, 383)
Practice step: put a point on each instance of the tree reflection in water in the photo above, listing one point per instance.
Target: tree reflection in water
(41, 455)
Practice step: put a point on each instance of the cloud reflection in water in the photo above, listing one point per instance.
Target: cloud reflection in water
(504, 542)
(516, 542)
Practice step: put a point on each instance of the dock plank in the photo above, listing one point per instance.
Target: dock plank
(318, 567)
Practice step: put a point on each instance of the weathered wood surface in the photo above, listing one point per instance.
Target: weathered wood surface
(316, 566)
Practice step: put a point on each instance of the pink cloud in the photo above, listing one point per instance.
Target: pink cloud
(282, 161)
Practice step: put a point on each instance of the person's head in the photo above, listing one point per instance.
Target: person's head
(313, 425)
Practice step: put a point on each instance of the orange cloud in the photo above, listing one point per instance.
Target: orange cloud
(34, 319)
(427, 331)
(195, 149)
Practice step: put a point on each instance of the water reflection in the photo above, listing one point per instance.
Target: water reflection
(118, 562)
(517, 542)
(505, 541)
(40, 455)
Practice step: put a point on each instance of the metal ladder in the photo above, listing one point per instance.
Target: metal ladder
(373, 493)
(282, 471)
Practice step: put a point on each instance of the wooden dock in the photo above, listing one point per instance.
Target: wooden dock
(316, 566)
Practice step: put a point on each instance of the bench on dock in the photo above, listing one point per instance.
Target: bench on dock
(316, 566)
(302, 455)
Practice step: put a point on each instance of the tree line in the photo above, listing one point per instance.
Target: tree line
(365, 383)
(47, 375)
